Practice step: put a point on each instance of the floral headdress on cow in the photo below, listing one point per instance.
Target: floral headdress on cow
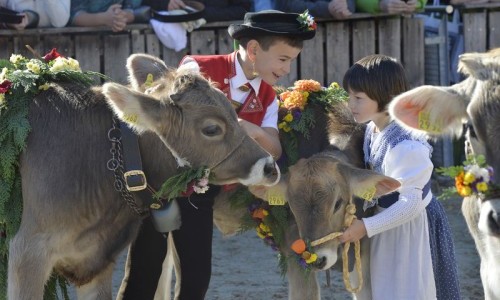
(473, 177)
(21, 79)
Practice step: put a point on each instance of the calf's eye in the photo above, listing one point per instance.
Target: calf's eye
(212, 130)
(337, 205)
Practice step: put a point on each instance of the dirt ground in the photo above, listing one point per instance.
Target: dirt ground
(244, 268)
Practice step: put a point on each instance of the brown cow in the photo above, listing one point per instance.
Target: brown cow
(440, 110)
(74, 221)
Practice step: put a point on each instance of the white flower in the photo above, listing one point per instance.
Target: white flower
(16, 58)
(3, 75)
(33, 66)
(62, 64)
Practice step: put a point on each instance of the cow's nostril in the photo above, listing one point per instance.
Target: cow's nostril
(320, 262)
(494, 222)
(270, 170)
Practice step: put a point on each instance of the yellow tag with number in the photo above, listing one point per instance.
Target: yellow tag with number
(424, 123)
(368, 194)
(149, 80)
(130, 118)
(275, 197)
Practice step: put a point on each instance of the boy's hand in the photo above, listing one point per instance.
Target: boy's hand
(339, 9)
(354, 233)
(116, 18)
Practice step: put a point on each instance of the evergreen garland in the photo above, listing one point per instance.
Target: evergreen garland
(295, 118)
(21, 79)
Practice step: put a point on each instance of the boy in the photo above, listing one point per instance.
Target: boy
(268, 42)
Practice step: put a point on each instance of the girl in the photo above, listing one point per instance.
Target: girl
(412, 253)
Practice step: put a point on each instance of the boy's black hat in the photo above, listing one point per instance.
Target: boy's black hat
(274, 22)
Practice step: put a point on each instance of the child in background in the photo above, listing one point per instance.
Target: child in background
(268, 43)
(412, 253)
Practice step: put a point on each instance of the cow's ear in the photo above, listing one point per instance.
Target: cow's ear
(429, 109)
(144, 69)
(367, 184)
(136, 109)
(481, 66)
(275, 194)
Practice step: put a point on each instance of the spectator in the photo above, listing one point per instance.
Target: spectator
(115, 14)
(215, 10)
(338, 9)
(39, 13)
(389, 6)
(259, 5)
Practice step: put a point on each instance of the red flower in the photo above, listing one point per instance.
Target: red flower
(189, 190)
(5, 86)
(53, 54)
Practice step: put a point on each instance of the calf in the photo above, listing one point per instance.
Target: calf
(441, 110)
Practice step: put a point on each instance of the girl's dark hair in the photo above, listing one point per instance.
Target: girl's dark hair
(266, 41)
(380, 77)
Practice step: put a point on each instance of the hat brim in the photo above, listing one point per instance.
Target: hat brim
(10, 16)
(194, 11)
(237, 31)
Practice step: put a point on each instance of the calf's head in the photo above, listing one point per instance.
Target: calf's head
(194, 120)
(318, 190)
(476, 101)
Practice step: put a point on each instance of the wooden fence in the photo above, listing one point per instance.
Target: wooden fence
(325, 58)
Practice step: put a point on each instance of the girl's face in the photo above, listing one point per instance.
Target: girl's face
(362, 107)
(274, 63)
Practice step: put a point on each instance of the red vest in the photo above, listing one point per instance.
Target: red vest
(221, 68)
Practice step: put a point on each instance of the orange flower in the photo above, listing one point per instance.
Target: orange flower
(293, 99)
(259, 213)
(307, 85)
(299, 246)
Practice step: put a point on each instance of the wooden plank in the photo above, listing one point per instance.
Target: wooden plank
(311, 58)
(63, 43)
(172, 58)
(474, 31)
(337, 57)
(116, 52)
(153, 44)
(225, 42)
(413, 50)
(7, 48)
(494, 29)
(88, 52)
(363, 39)
(137, 39)
(389, 37)
(202, 42)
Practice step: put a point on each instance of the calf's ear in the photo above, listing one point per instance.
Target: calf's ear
(143, 69)
(429, 109)
(136, 109)
(275, 194)
(367, 184)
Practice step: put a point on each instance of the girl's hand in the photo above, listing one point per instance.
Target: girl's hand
(354, 233)
(338, 9)
(397, 6)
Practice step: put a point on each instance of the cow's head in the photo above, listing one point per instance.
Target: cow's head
(318, 190)
(476, 101)
(193, 119)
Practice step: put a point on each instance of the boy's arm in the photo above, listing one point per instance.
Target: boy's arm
(267, 137)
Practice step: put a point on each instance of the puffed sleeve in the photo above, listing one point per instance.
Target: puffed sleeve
(410, 163)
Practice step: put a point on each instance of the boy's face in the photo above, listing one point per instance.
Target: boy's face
(275, 62)
(363, 108)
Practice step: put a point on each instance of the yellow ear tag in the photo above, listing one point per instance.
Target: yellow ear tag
(149, 80)
(130, 118)
(425, 124)
(368, 194)
(275, 197)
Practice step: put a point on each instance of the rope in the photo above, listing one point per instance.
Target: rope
(348, 218)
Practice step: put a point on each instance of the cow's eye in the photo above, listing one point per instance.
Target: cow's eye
(470, 129)
(212, 130)
(337, 205)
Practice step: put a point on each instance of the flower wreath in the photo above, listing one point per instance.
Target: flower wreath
(20, 80)
(473, 177)
(185, 183)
